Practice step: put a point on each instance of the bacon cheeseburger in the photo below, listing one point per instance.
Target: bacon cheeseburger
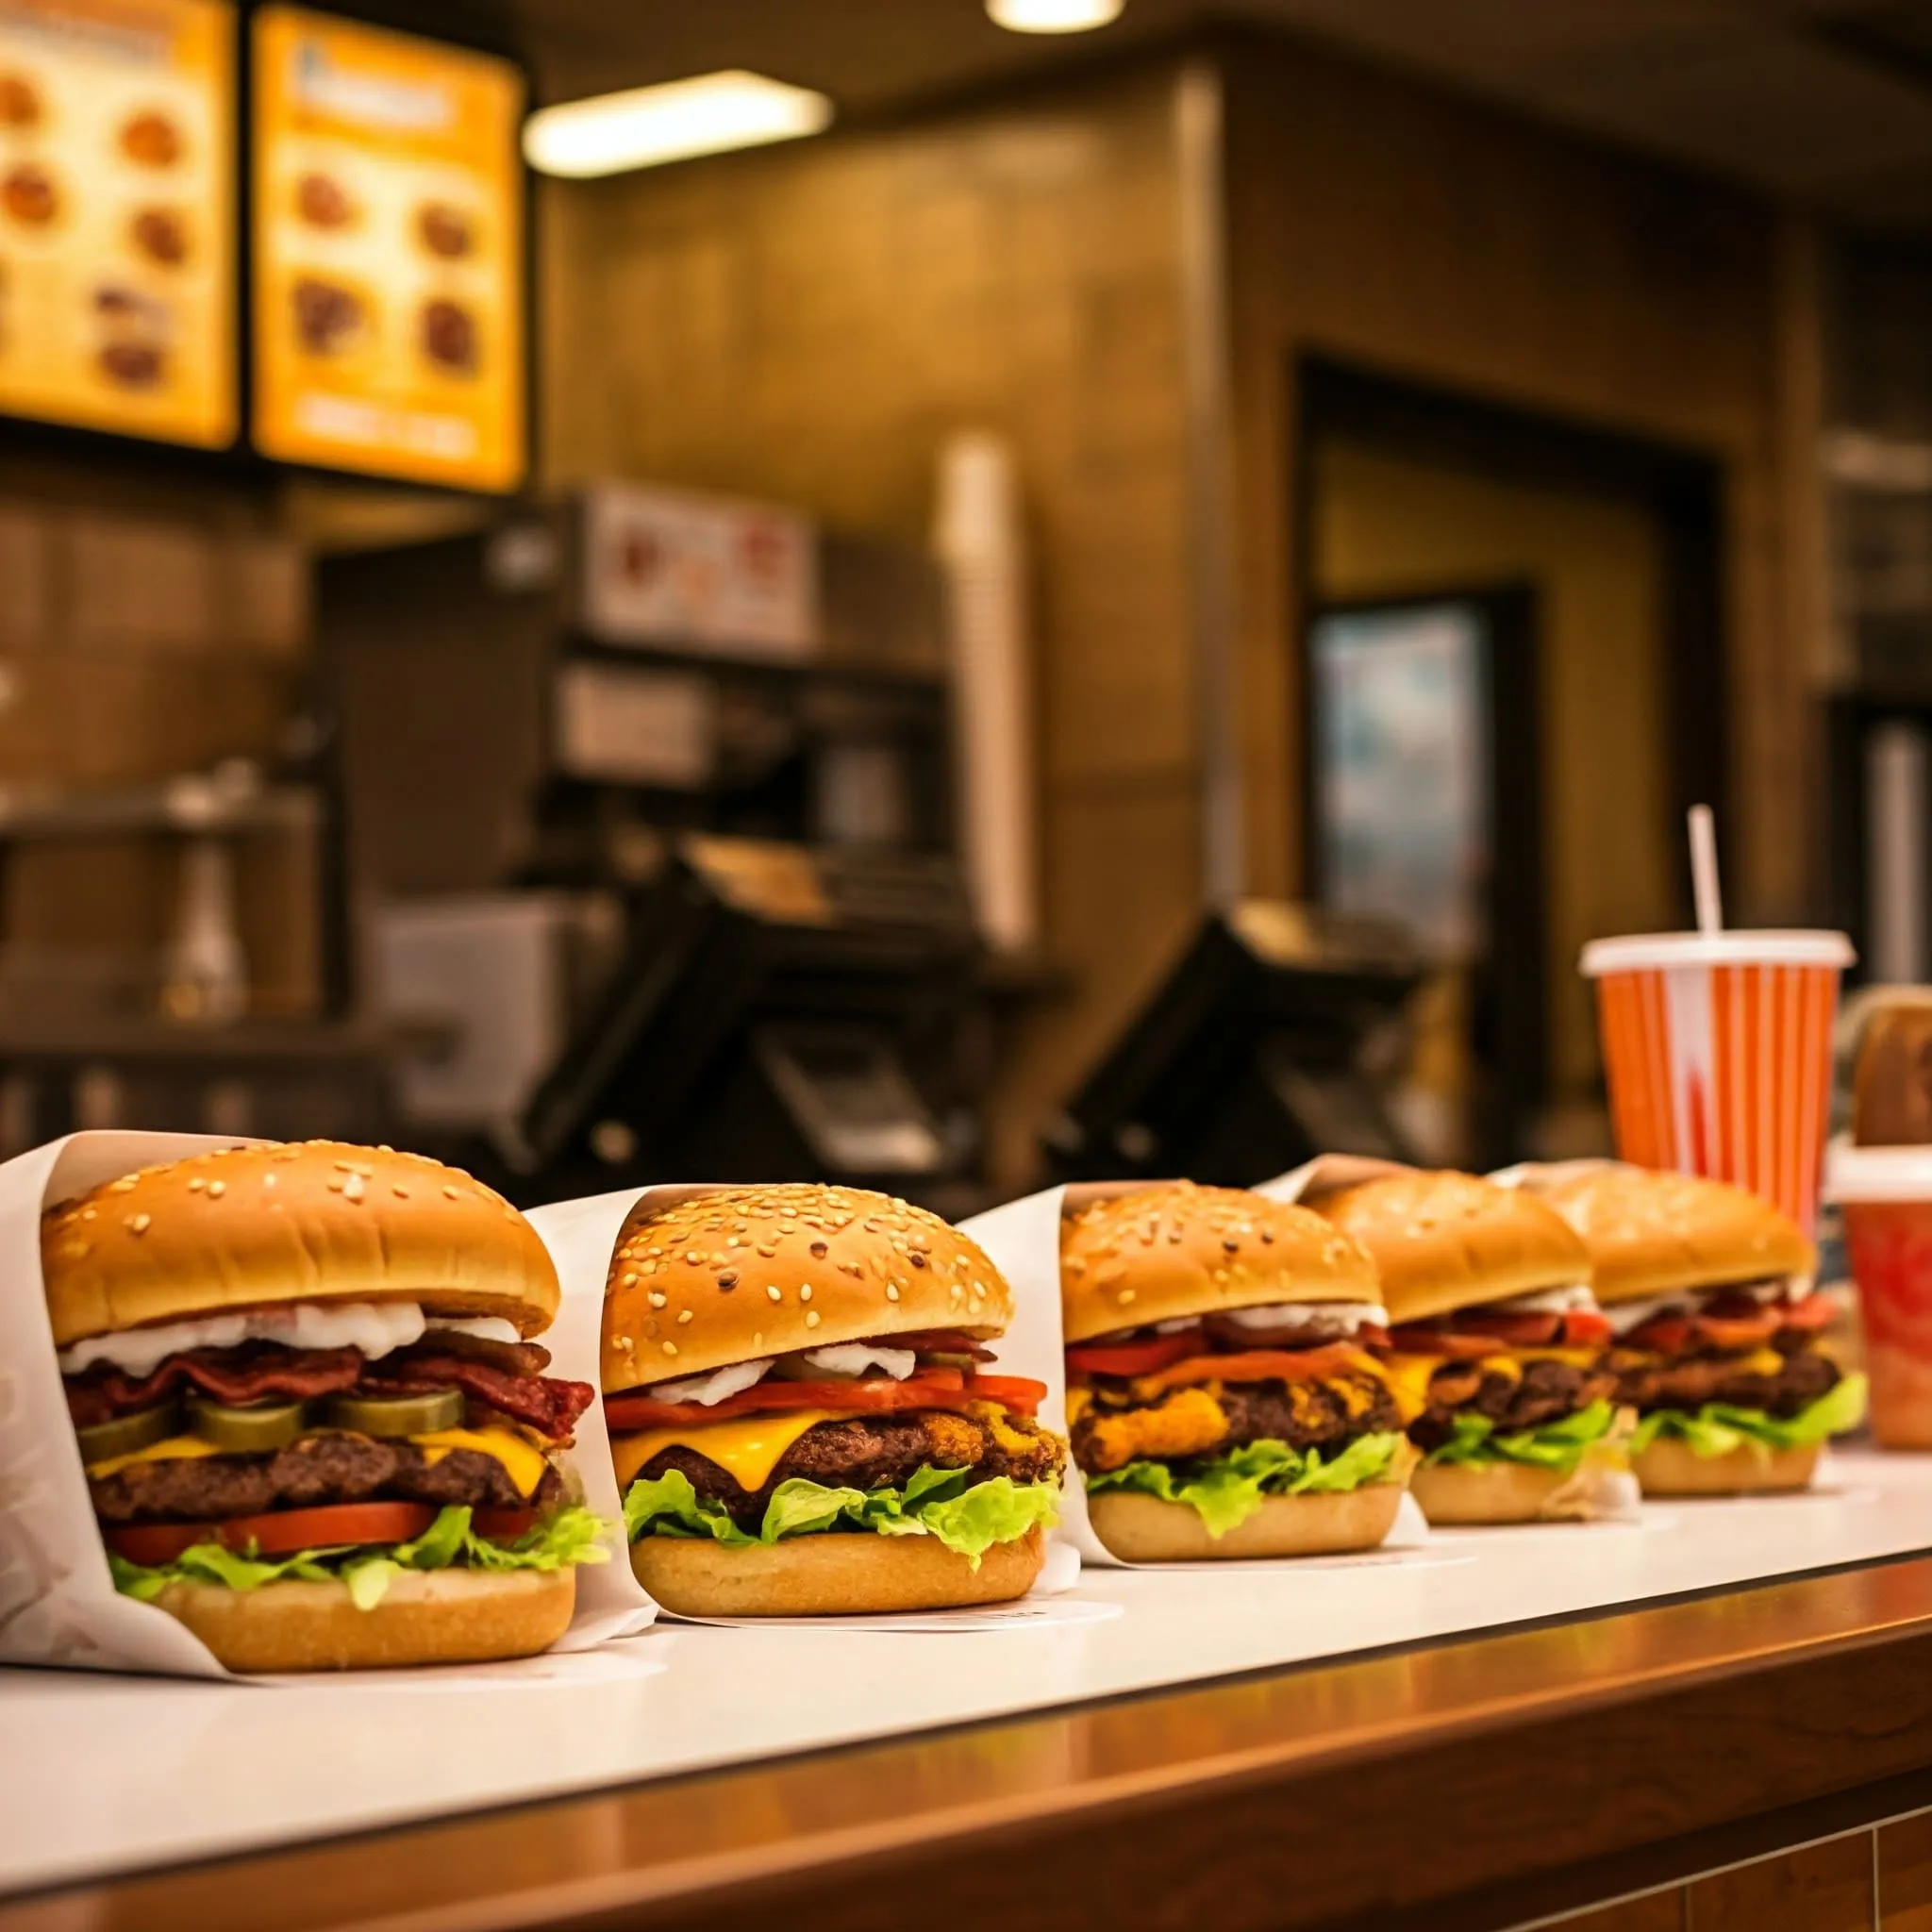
(312, 1427)
(1496, 1344)
(1708, 1291)
(1224, 1385)
(792, 1380)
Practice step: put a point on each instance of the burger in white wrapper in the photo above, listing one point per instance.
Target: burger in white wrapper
(1497, 1344)
(812, 1409)
(1219, 1357)
(280, 1408)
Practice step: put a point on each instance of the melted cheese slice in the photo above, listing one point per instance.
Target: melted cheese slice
(170, 1449)
(524, 1462)
(747, 1449)
(1410, 1374)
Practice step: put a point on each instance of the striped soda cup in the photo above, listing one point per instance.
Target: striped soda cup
(1718, 1051)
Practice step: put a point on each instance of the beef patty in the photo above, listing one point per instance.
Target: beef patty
(1327, 1415)
(878, 1452)
(330, 1467)
(1687, 1382)
(1547, 1392)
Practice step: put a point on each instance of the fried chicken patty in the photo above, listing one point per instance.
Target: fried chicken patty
(1742, 1380)
(1547, 1392)
(334, 1465)
(880, 1452)
(1330, 1415)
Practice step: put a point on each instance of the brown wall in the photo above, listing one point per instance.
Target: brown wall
(809, 323)
(1379, 222)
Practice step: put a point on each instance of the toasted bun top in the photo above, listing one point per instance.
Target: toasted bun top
(1159, 1254)
(1450, 1240)
(1652, 1234)
(319, 1220)
(726, 1276)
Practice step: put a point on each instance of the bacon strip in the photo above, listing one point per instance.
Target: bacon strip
(233, 1376)
(547, 1404)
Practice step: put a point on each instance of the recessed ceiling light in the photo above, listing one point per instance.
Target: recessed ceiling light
(1054, 16)
(645, 127)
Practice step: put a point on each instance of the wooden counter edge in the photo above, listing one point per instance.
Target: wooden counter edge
(1315, 1795)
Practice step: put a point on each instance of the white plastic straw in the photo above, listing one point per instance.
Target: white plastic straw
(1703, 878)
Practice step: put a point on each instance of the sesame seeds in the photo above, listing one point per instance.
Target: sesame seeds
(727, 1281)
(775, 1293)
(684, 1315)
(892, 1290)
(659, 1298)
(139, 1223)
(670, 1347)
(811, 1318)
(216, 1190)
(451, 1193)
(195, 1185)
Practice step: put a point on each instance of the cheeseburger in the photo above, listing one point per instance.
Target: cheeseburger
(1707, 1290)
(1496, 1344)
(1224, 1385)
(803, 1420)
(314, 1424)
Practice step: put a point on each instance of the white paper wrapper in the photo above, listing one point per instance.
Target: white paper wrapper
(1023, 1239)
(1596, 1493)
(58, 1602)
(582, 1237)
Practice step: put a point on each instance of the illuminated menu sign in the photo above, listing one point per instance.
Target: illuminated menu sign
(117, 259)
(389, 253)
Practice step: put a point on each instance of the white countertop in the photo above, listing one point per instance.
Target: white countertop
(117, 1774)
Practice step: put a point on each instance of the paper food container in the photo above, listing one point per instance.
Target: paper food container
(583, 1234)
(57, 1601)
(1600, 1491)
(1023, 1240)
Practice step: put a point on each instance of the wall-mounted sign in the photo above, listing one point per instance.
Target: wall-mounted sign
(389, 253)
(117, 260)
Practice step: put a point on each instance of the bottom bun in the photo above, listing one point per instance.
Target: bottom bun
(1674, 1469)
(1455, 1492)
(441, 1617)
(831, 1573)
(1144, 1530)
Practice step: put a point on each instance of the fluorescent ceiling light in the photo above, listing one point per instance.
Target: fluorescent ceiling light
(645, 127)
(1054, 16)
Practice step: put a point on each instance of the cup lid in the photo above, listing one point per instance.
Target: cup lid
(1878, 1174)
(1649, 951)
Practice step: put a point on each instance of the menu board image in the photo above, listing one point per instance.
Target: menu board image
(389, 253)
(117, 253)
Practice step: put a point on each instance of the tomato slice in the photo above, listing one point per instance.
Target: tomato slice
(1737, 1331)
(1586, 1329)
(1258, 1365)
(1419, 1340)
(504, 1526)
(928, 1389)
(1813, 1313)
(1131, 1357)
(281, 1533)
(1511, 1327)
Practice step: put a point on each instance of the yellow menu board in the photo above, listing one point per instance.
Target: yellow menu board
(388, 266)
(117, 244)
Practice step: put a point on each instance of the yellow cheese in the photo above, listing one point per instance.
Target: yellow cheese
(524, 1462)
(747, 1450)
(1762, 1361)
(1409, 1375)
(172, 1449)
(1078, 1402)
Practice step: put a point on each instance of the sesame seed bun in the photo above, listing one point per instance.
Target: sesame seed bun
(831, 1575)
(1159, 1254)
(318, 1221)
(1674, 1469)
(714, 1278)
(1651, 1234)
(1146, 1529)
(1445, 1241)
(439, 1617)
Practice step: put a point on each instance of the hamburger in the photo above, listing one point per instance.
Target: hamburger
(1707, 1290)
(1496, 1344)
(1225, 1391)
(803, 1415)
(314, 1426)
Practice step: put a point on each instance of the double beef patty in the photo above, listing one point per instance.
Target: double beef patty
(877, 1452)
(330, 1467)
(1688, 1382)
(1547, 1392)
(1326, 1415)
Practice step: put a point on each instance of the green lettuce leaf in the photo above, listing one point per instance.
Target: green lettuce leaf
(559, 1542)
(1718, 1428)
(967, 1518)
(1225, 1490)
(1559, 1445)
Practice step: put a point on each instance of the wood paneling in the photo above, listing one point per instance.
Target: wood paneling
(1662, 1911)
(1904, 1874)
(1823, 1888)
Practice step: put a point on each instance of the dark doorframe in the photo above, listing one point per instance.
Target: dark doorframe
(1679, 490)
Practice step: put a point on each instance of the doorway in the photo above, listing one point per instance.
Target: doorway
(1529, 611)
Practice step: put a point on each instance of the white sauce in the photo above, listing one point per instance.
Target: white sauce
(374, 1328)
(1550, 1301)
(842, 1358)
(855, 1358)
(1624, 1316)
(1348, 1316)
(715, 1387)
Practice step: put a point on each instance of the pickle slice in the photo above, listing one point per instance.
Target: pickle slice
(250, 1428)
(125, 1434)
(398, 1415)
